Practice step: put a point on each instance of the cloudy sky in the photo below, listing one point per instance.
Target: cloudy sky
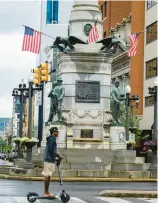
(15, 65)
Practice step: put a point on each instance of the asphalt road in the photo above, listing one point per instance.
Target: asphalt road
(11, 190)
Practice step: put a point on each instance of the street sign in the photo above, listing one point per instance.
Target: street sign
(38, 98)
(132, 137)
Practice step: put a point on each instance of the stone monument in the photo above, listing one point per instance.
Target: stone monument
(85, 70)
(90, 140)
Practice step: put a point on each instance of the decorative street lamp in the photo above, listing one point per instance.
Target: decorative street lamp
(127, 91)
(132, 106)
(28, 164)
(20, 93)
(153, 91)
(128, 103)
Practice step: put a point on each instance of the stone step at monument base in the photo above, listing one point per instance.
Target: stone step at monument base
(129, 174)
(88, 159)
(19, 162)
(5, 170)
(140, 160)
(80, 173)
(130, 166)
(154, 174)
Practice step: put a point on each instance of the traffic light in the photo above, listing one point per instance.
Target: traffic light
(37, 76)
(44, 71)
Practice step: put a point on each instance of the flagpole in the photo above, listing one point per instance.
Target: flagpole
(41, 32)
(96, 21)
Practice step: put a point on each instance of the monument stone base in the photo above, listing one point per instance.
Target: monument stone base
(61, 140)
(117, 138)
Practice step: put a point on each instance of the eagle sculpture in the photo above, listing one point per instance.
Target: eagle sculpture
(108, 43)
(63, 43)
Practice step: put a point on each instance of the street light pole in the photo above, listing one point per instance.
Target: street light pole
(29, 164)
(155, 114)
(30, 111)
(19, 92)
(21, 115)
(127, 91)
(132, 106)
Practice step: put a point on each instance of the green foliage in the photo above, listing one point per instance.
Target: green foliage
(25, 139)
(136, 120)
(4, 147)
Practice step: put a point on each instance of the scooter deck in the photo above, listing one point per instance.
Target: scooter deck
(49, 198)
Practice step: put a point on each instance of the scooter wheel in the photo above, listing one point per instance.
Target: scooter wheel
(30, 195)
(64, 197)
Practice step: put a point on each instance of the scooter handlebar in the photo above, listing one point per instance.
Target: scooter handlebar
(57, 159)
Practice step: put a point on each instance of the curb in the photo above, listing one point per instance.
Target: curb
(77, 179)
(123, 193)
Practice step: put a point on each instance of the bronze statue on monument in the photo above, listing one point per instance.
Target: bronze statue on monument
(57, 94)
(115, 103)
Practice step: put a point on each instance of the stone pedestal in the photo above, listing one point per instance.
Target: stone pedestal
(117, 138)
(87, 80)
(62, 137)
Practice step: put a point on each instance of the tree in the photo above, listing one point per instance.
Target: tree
(136, 120)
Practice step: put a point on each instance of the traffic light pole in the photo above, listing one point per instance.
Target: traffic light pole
(40, 118)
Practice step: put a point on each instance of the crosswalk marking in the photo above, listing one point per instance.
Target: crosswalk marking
(119, 200)
(94, 199)
(76, 200)
(72, 200)
(112, 200)
(149, 200)
(23, 200)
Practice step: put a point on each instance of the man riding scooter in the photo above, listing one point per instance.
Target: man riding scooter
(49, 159)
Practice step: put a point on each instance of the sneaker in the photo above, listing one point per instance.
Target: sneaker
(49, 195)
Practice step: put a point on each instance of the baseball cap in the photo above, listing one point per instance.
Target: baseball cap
(53, 129)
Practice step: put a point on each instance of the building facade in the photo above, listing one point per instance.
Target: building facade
(113, 12)
(6, 128)
(16, 116)
(139, 71)
(150, 64)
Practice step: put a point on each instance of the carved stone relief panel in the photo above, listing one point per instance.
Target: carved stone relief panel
(87, 115)
(88, 91)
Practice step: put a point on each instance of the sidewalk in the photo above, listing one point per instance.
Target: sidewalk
(5, 163)
(77, 179)
(129, 193)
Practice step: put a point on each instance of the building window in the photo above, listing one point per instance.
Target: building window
(104, 34)
(151, 68)
(151, 4)
(151, 34)
(18, 116)
(105, 9)
(149, 101)
(102, 11)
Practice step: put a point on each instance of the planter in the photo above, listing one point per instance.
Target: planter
(29, 144)
(17, 142)
(129, 146)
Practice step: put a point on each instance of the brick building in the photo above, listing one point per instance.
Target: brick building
(113, 12)
(143, 15)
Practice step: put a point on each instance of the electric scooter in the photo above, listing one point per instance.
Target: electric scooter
(32, 196)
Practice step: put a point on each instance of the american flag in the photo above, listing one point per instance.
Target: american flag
(93, 35)
(31, 40)
(133, 44)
